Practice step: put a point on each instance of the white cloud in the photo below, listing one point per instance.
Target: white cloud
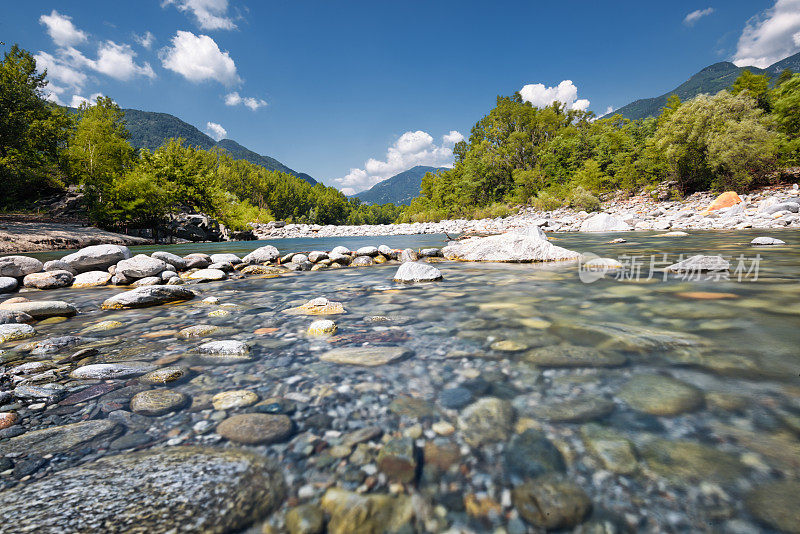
(696, 15)
(565, 92)
(116, 61)
(234, 99)
(216, 130)
(60, 74)
(609, 109)
(146, 40)
(77, 100)
(210, 14)
(410, 149)
(770, 36)
(198, 58)
(61, 30)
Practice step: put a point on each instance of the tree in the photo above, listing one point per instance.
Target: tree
(756, 85)
(33, 131)
(787, 116)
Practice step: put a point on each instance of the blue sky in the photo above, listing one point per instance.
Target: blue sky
(354, 92)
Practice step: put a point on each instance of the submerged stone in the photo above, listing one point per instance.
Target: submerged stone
(158, 402)
(775, 505)
(255, 428)
(660, 395)
(55, 439)
(577, 410)
(685, 461)
(573, 356)
(531, 454)
(194, 489)
(551, 502)
(488, 420)
(365, 356)
(142, 297)
(353, 513)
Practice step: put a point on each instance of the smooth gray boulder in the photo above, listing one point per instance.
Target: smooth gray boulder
(299, 258)
(178, 263)
(179, 489)
(91, 279)
(19, 266)
(793, 207)
(143, 297)
(225, 258)
(264, 254)
(511, 247)
(338, 257)
(15, 332)
(140, 266)
(52, 440)
(48, 279)
(13, 317)
(8, 284)
(103, 371)
(317, 255)
(408, 254)
(604, 222)
(412, 271)
(197, 261)
(41, 309)
(148, 281)
(59, 265)
(208, 275)
(228, 346)
(367, 251)
(341, 250)
(700, 263)
(766, 241)
(96, 257)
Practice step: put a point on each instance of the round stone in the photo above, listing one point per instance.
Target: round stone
(162, 490)
(531, 454)
(102, 326)
(8, 419)
(255, 428)
(443, 428)
(48, 279)
(158, 402)
(102, 371)
(369, 356)
(487, 420)
(16, 332)
(162, 376)
(305, 519)
(227, 400)
(455, 398)
(322, 327)
(207, 275)
(573, 356)
(551, 502)
(660, 395)
(200, 330)
(578, 410)
(226, 347)
(8, 284)
(508, 345)
(91, 279)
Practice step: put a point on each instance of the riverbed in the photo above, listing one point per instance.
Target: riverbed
(657, 403)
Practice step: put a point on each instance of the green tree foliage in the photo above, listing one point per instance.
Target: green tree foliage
(756, 85)
(787, 117)
(33, 131)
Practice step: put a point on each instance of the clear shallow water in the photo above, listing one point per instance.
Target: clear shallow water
(735, 429)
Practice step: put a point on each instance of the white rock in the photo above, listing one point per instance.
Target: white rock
(91, 279)
(178, 263)
(764, 241)
(41, 309)
(367, 251)
(511, 247)
(142, 297)
(8, 284)
(341, 250)
(412, 271)
(225, 258)
(102, 371)
(604, 222)
(262, 255)
(96, 257)
(229, 346)
(140, 266)
(15, 332)
(19, 266)
(700, 263)
(48, 279)
(59, 265)
(208, 275)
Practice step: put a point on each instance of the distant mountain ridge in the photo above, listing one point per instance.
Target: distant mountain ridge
(150, 129)
(711, 80)
(400, 189)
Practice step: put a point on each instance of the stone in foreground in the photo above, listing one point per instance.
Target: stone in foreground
(317, 306)
(412, 271)
(700, 263)
(91, 279)
(41, 309)
(262, 255)
(352, 512)
(15, 332)
(48, 279)
(551, 502)
(255, 428)
(143, 297)
(186, 489)
(19, 266)
(96, 257)
(775, 504)
(604, 222)
(487, 420)
(511, 247)
(55, 439)
(366, 356)
(660, 395)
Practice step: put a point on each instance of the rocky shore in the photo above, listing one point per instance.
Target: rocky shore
(16, 237)
(765, 209)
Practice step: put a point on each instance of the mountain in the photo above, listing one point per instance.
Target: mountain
(149, 130)
(399, 189)
(711, 80)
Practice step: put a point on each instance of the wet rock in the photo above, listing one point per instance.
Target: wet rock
(340, 258)
(408, 254)
(264, 254)
(604, 222)
(28, 466)
(48, 280)
(397, 459)
(684, 461)
(255, 428)
(140, 266)
(614, 451)
(19, 266)
(367, 251)
(91, 279)
(197, 261)
(362, 261)
(487, 420)
(455, 398)
(157, 402)
(226, 347)
(55, 439)
(15, 332)
(321, 327)
(53, 345)
(8, 419)
(766, 241)
(369, 356)
(199, 330)
(700, 263)
(361, 435)
(353, 513)
(9, 317)
(148, 281)
(59, 265)
(130, 441)
(177, 263)
(207, 275)
(660, 395)
(411, 407)
(8, 284)
(41, 309)
(411, 271)
(102, 326)
(531, 454)
(441, 454)
(225, 258)
(299, 258)
(147, 492)
(305, 519)
(430, 253)
(263, 270)
(775, 505)
(163, 376)
(92, 392)
(577, 410)
(515, 247)
(551, 502)
(317, 306)
(508, 345)
(573, 356)
(103, 371)
(147, 296)
(49, 392)
(96, 257)
(228, 400)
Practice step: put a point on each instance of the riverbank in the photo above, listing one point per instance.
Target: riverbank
(16, 237)
(759, 210)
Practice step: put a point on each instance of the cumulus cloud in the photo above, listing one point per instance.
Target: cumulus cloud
(216, 130)
(77, 100)
(198, 58)
(697, 14)
(116, 61)
(145, 40)
(770, 36)
(234, 99)
(410, 149)
(61, 76)
(565, 92)
(61, 29)
(210, 14)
